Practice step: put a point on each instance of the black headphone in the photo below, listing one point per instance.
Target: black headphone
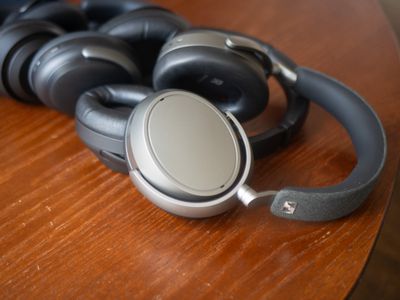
(30, 75)
(65, 15)
(101, 11)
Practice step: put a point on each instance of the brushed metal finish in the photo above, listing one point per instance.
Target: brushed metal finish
(193, 144)
(178, 205)
(183, 145)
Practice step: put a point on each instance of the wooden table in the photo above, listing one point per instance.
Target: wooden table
(70, 228)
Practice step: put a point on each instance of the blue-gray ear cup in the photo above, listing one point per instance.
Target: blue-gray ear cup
(147, 30)
(101, 118)
(233, 83)
(19, 43)
(72, 64)
(101, 11)
(68, 17)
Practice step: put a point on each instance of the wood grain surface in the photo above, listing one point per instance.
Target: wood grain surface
(70, 228)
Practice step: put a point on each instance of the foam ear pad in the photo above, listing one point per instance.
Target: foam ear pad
(233, 83)
(66, 16)
(147, 30)
(19, 42)
(101, 117)
(72, 64)
(101, 11)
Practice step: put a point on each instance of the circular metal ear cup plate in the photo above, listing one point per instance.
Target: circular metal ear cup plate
(184, 146)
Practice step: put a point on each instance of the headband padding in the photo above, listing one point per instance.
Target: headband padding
(232, 82)
(368, 137)
(62, 14)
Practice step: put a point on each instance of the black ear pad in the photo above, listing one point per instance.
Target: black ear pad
(66, 16)
(234, 83)
(19, 43)
(8, 6)
(101, 119)
(72, 64)
(147, 30)
(101, 11)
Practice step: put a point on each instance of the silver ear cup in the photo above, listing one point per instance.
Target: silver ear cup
(185, 155)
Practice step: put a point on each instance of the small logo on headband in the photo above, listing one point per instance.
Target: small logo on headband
(289, 207)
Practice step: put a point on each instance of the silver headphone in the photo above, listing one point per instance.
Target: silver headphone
(193, 160)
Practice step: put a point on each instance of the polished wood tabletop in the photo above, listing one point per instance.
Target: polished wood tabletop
(71, 228)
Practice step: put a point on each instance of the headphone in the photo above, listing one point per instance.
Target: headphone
(193, 160)
(188, 155)
(102, 127)
(66, 66)
(65, 15)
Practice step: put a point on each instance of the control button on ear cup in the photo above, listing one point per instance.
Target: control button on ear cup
(146, 30)
(184, 146)
(66, 16)
(63, 70)
(101, 11)
(101, 118)
(19, 42)
(232, 82)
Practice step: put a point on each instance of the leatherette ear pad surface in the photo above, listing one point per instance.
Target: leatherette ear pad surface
(101, 119)
(146, 30)
(19, 42)
(231, 82)
(64, 15)
(100, 11)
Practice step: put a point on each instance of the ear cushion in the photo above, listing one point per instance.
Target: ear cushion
(233, 82)
(63, 69)
(147, 30)
(102, 115)
(7, 7)
(19, 42)
(101, 11)
(64, 15)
